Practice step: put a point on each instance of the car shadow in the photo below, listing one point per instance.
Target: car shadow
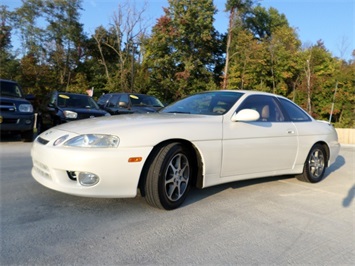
(199, 194)
(196, 194)
(339, 163)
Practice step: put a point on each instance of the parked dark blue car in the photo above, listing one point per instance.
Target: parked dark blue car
(129, 103)
(16, 112)
(62, 107)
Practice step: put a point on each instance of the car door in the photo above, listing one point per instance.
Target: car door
(261, 147)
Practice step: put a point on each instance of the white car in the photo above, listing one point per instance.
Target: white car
(203, 140)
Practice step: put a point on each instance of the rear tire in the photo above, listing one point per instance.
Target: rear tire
(169, 177)
(315, 165)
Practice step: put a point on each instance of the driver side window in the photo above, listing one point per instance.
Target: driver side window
(266, 106)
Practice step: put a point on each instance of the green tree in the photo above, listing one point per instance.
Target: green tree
(264, 53)
(344, 95)
(263, 23)
(8, 63)
(238, 10)
(181, 54)
(26, 24)
(118, 48)
(64, 38)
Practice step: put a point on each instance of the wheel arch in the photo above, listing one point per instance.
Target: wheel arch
(196, 157)
(326, 148)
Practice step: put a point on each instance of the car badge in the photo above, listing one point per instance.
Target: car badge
(49, 132)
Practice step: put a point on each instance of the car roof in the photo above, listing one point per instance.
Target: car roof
(253, 92)
(133, 93)
(71, 93)
(9, 81)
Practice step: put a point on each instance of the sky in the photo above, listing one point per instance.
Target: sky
(332, 21)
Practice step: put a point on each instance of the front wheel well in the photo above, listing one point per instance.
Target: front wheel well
(196, 158)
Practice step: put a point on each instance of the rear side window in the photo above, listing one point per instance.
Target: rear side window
(295, 113)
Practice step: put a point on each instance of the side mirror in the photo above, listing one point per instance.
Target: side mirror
(30, 97)
(246, 115)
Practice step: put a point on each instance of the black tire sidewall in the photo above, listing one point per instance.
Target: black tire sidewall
(164, 200)
(310, 177)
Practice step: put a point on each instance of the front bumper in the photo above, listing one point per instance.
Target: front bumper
(16, 122)
(117, 177)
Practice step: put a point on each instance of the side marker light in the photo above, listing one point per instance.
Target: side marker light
(134, 159)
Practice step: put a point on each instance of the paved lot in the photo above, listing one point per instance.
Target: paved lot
(271, 221)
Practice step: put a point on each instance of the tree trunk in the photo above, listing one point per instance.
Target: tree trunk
(229, 40)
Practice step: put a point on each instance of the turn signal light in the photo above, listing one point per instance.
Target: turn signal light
(134, 159)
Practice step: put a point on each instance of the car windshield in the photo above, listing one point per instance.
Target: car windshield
(207, 103)
(145, 100)
(10, 89)
(76, 101)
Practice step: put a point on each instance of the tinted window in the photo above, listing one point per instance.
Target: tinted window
(113, 101)
(145, 100)
(103, 99)
(124, 98)
(76, 101)
(208, 103)
(10, 89)
(266, 106)
(295, 113)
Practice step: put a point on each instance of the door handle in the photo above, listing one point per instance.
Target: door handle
(290, 131)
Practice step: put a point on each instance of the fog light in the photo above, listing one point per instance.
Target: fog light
(28, 122)
(88, 179)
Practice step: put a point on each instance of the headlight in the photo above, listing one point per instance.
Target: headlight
(60, 140)
(25, 108)
(93, 141)
(70, 114)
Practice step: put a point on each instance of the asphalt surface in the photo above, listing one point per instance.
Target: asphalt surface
(270, 221)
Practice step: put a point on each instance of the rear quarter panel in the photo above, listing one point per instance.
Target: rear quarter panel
(309, 133)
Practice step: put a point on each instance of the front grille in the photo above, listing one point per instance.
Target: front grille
(7, 107)
(42, 141)
(10, 121)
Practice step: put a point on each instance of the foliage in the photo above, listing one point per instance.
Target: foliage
(183, 54)
(183, 51)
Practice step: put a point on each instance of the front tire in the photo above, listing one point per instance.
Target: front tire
(169, 177)
(314, 167)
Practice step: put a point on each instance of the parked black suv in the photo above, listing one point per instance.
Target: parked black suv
(128, 103)
(62, 107)
(16, 112)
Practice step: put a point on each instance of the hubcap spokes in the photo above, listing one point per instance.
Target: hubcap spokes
(316, 163)
(177, 177)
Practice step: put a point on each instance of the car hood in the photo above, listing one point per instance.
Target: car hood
(145, 129)
(85, 111)
(7, 99)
